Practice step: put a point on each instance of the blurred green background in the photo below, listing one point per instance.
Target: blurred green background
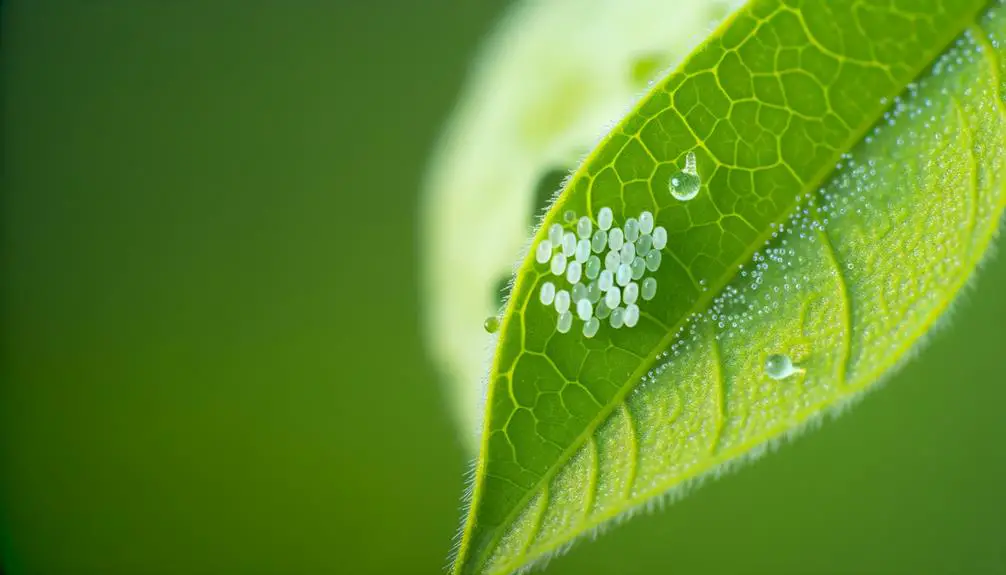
(211, 358)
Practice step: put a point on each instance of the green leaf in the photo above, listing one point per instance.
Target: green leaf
(851, 181)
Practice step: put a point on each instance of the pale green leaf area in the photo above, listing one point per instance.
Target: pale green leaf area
(851, 181)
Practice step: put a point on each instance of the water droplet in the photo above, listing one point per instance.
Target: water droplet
(547, 294)
(604, 218)
(569, 216)
(685, 184)
(492, 324)
(780, 366)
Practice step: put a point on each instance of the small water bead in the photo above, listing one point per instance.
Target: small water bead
(631, 316)
(599, 241)
(648, 289)
(582, 251)
(645, 223)
(579, 292)
(616, 238)
(492, 324)
(612, 297)
(685, 184)
(606, 280)
(624, 275)
(628, 253)
(631, 229)
(630, 293)
(584, 310)
(555, 234)
(561, 301)
(612, 260)
(659, 238)
(558, 264)
(574, 271)
(592, 268)
(547, 293)
(617, 318)
(653, 260)
(644, 244)
(568, 244)
(779, 366)
(605, 218)
(565, 322)
(601, 310)
(638, 268)
(594, 292)
(591, 326)
(569, 216)
(543, 252)
(584, 227)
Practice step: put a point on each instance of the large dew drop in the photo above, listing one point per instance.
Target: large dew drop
(492, 324)
(780, 366)
(685, 184)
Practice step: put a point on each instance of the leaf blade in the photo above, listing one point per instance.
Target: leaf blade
(635, 183)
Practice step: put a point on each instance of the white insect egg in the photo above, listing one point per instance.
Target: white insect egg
(627, 253)
(592, 268)
(623, 275)
(653, 260)
(547, 293)
(617, 318)
(606, 280)
(645, 222)
(579, 292)
(599, 241)
(601, 310)
(648, 289)
(574, 271)
(631, 229)
(630, 293)
(612, 259)
(584, 310)
(638, 268)
(644, 244)
(555, 235)
(616, 238)
(584, 227)
(631, 315)
(612, 297)
(591, 326)
(568, 244)
(565, 322)
(605, 218)
(561, 301)
(543, 252)
(582, 251)
(558, 264)
(659, 238)
(594, 293)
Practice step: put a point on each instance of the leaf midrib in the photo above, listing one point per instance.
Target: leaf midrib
(701, 303)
